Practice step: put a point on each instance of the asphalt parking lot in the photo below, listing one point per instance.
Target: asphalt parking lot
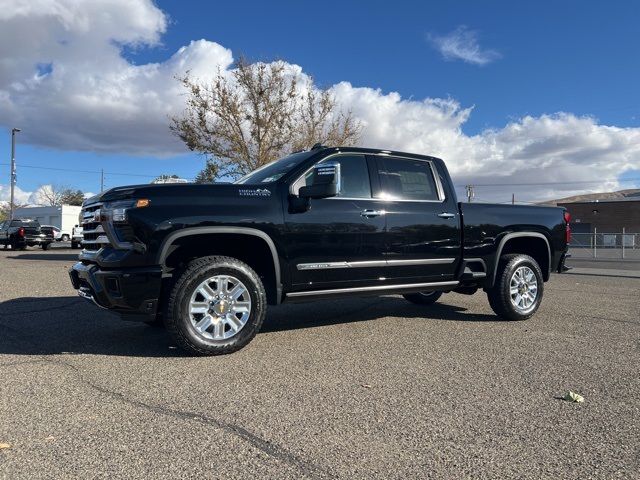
(357, 388)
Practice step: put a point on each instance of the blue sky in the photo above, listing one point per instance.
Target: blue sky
(544, 57)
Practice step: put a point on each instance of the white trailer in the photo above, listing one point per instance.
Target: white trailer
(65, 217)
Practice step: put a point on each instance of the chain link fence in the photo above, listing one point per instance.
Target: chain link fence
(605, 246)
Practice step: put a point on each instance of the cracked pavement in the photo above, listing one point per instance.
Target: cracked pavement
(355, 388)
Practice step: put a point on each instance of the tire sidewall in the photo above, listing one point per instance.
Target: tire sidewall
(423, 298)
(505, 286)
(179, 314)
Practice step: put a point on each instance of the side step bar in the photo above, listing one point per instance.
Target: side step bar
(371, 290)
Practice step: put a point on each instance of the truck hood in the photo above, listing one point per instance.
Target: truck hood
(222, 190)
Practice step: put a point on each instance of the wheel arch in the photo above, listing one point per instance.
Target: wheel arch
(168, 246)
(534, 244)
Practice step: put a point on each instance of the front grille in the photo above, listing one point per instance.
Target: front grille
(93, 235)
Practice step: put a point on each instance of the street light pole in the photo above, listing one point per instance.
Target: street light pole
(12, 178)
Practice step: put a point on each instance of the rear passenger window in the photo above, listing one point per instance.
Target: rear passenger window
(406, 179)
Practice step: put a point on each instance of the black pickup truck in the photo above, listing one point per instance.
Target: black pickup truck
(207, 259)
(22, 233)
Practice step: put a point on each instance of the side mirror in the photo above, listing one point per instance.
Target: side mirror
(325, 181)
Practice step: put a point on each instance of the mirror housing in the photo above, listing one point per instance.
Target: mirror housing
(325, 181)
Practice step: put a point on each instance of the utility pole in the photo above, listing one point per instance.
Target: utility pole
(12, 178)
(101, 180)
(513, 199)
(470, 192)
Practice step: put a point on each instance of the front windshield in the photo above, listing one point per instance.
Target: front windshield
(273, 171)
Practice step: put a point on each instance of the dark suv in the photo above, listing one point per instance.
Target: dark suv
(21, 233)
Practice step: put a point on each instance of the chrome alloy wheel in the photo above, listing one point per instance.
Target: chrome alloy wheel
(219, 307)
(523, 289)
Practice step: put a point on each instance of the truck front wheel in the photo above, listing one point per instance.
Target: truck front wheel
(216, 306)
(518, 288)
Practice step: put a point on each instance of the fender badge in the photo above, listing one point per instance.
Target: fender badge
(258, 192)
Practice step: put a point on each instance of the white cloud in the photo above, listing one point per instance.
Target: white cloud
(462, 44)
(20, 196)
(94, 99)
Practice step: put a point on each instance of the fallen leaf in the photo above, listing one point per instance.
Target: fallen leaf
(366, 385)
(573, 397)
(4, 445)
(50, 438)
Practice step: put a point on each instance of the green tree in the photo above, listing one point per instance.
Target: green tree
(71, 197)
(208, 174)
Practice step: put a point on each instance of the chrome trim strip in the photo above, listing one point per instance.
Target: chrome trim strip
(421, 261)
(374, 263)
(98, 229)
(89, 297)
(102, 239)
(374, 288)
(330, 265)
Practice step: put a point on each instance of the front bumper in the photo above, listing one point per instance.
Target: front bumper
(129, 291)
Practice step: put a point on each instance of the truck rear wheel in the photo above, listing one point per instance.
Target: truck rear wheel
(423, 298)
(216, 306)
(518, 288)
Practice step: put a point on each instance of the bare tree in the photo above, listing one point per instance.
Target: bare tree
(53, 195)
(5, 210)
(257, 114)
(49, 195)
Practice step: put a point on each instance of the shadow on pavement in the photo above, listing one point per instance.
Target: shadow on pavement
(62, 257)
(325, 313)
(55, 325)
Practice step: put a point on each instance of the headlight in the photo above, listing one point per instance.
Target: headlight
(117, 211)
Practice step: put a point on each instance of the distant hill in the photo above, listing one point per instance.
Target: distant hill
(592, 197)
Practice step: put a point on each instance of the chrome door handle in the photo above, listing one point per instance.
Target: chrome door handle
(372, 213)
(446, 215)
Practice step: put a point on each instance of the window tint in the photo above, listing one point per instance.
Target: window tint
(354, 176)
(406, 179)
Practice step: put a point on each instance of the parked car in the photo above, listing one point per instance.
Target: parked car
(329, 222)
(52, 231)
(22, 233)
(76, 237)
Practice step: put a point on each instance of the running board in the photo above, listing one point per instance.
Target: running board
(371, 290)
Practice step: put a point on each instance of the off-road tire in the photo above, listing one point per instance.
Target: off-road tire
(423, 298)
(499, 295)
(176, 315)
(45, 246)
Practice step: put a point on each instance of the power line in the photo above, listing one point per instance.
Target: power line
(84, 171)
